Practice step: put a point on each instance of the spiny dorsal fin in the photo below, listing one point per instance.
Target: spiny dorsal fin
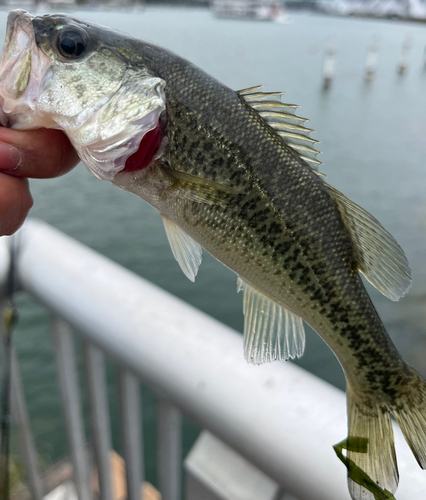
(186, 251)
(271, 332)
(379, 257)
(282, 118)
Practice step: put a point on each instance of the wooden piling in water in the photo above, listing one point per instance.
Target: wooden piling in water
(329, 64)
(371, 60)
(405, 56)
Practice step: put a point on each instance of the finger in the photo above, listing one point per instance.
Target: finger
(38, 153)
(15, 203)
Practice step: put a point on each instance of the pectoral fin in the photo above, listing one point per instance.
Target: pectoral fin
(196, 188)
(271, 332)
(186, 251)
(379, 257)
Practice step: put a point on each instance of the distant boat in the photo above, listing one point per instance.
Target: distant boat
(399, 9)
(263, 10)
(40, 4)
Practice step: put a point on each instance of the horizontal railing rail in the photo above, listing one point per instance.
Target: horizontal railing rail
(278, 416)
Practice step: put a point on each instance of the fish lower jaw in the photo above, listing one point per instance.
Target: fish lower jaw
(22, 69)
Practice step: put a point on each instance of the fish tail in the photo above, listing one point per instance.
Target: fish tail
(371, 452)
(371, 449)
(410, 413)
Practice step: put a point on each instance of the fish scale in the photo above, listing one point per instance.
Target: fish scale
(233, 174)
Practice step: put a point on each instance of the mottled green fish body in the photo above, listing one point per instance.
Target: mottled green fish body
(281, 232)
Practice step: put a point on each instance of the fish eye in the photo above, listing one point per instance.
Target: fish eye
(71, 43)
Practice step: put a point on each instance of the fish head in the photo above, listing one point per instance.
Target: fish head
(64, 73)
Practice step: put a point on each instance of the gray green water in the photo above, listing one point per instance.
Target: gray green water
(373, 139)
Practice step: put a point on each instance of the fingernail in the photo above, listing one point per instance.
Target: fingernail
(10, 157)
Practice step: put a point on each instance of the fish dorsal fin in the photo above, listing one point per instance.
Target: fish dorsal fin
(186, 251)
(282, 118)
(379, 257)
(271, 332)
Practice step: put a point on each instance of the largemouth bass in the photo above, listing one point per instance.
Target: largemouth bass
(235, 173)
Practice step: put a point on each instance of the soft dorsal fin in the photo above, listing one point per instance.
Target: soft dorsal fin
(282, 118)
(379, 257)
(186, 251)
(271, 332)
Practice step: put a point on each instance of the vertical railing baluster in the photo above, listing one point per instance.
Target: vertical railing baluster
(169, 454)
(95, 369)
(26, 442)
(65, 362)
(131, 432)
(22, 423)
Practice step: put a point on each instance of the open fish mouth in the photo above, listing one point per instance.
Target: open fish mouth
(22, 67)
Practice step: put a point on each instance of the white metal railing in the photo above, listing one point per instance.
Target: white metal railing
(278, 416)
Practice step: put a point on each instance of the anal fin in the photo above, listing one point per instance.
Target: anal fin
(271, 332)
(186, 250)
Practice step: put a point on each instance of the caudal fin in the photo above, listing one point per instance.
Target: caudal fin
(374, 464)
(371, 422)
(410, 413)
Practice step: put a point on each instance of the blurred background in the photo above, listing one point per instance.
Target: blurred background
(357, 69)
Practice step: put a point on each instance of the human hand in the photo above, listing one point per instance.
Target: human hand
(39, 154)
